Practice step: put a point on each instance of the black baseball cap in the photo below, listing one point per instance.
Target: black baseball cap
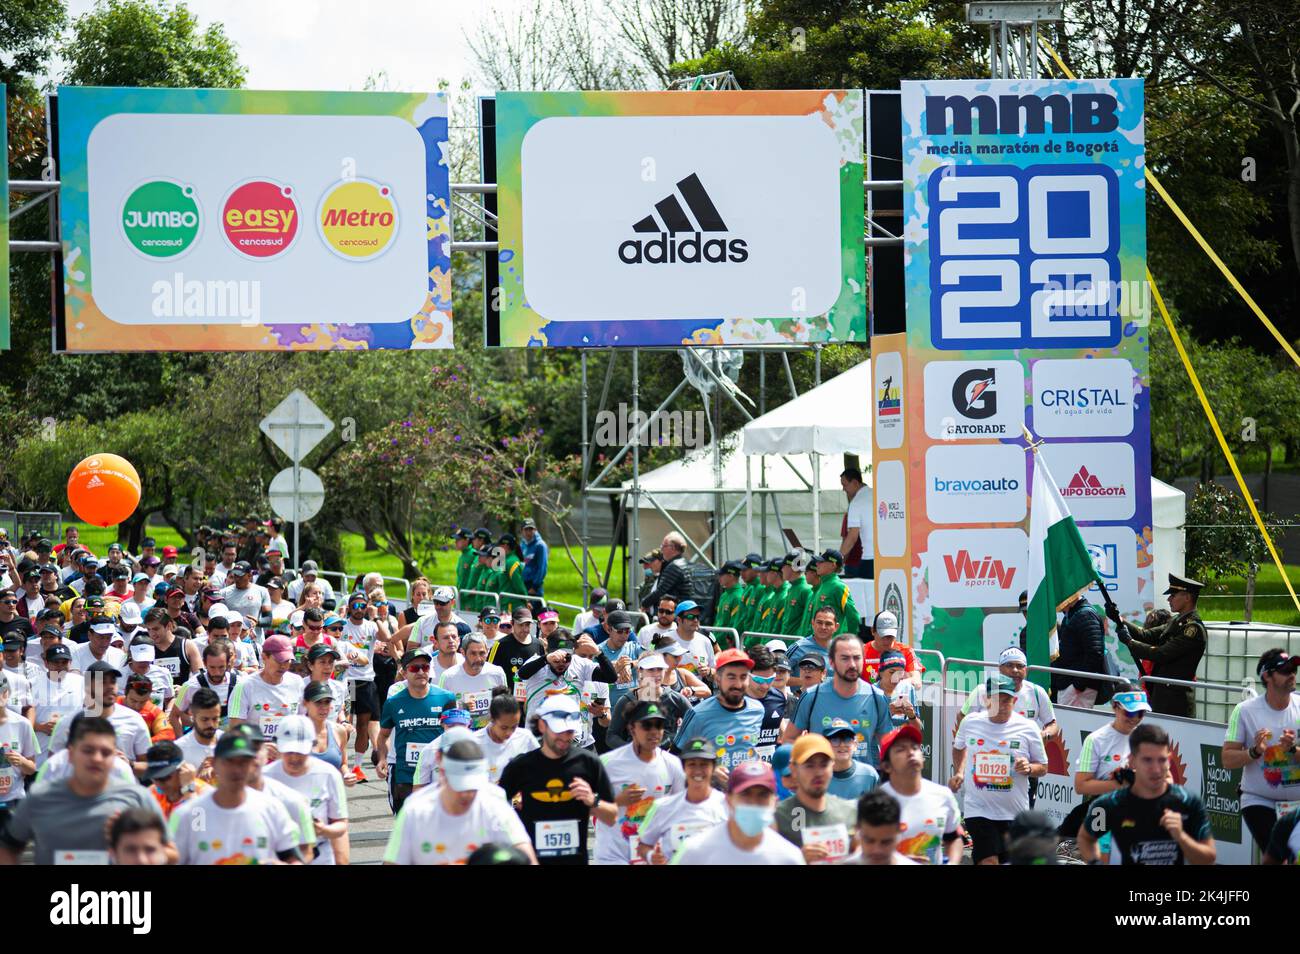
(648, 711)
(163, 758)
(752, 561)
(731, 566)
(58, 651)
(1277, 660)
(319, 650)
(317, 690)
(411, 655)
(236, 744)
(99, 666)
(816, 660)
(559, 641)
(699, 748)
(831, 555)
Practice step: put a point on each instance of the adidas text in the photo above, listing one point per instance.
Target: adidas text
(690, 250)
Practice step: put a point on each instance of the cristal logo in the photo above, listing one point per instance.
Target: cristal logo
(890, 403)
(978, 572)
(260, 218)
(1082, 400)
(358, 219)
(692, 248)
(1085, 484)
(161, 218)
(893, 602)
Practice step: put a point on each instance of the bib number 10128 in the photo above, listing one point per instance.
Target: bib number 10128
(1024, 258)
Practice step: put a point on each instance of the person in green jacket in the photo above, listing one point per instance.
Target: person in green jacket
(833, 592)
(474, 581)
(730, 593)
(514, 592)
(490, 560)
(771, 609)
(750, 568)
(798, 592)
(813, 579)
(465, 560)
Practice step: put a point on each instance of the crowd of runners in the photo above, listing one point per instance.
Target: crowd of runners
(219, 711)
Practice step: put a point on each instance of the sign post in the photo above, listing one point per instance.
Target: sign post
(296, 425)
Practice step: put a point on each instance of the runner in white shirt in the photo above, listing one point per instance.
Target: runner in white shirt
(98, 647)
(994, 757)
(443, 824)
(641, 773)
(214, 676)
(18, 750)
(58, 694)
(663, 623)
(248, 600)
(19, 699)
(748, 837)
(1261, 740)
(446, 640)
(1032, 700)
(321, 663)
(699, 648)
(133, 740)
(880, 825)
(699, 808)
(233, 823)
(502, 738)
(266, 697)
(143, 663)
(199, 744)
(316, 781)
(474, 679)
(930, 821)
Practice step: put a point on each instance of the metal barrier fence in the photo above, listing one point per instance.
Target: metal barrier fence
(733, 641)
(750, 638)
(20, 523)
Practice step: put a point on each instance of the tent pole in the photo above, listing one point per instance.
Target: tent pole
(634, 551)
(586, 457)
(817, 501)
(762, 460)
(749, 506)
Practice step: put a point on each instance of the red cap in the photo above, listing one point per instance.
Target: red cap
(730, 657)
(904, 731)
(751, 773)
(169, 551)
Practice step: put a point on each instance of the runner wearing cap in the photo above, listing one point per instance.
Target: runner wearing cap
(640, 773)
(847, 696)
(850, 779)
(1102, 766)
(732, 719)
(995, 754)
(684, 682)
(891, 677)
(502, 738)
(445, 823)
(267, 696)
(137, 694)
(651, 670)
(18, 751)
(761, 686)
(930, 822)
(234, 823)
(622, 651)
(322, 664)
(15, 661)
(19, 676)
(879, 831)
(143, 662)
(674, 819)
(818, 823)
(564, 670)
(331, 746)
(419, 632)
(1152, 821)
(472, 681)
(99, 646)
(699, 657)
(317, 782)
(882, 638)
(809, 673)
(294, 803)
(67, 816)
(413, 716)
(511, 651)
(748, 837)
(1261, 740)
(171, 779)
(101, 681)
(58, 694)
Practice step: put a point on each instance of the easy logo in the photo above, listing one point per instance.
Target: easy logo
(358, 219)
(161, 218)
(260, 218)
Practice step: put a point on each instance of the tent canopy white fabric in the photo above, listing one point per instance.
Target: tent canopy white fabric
(833, 418)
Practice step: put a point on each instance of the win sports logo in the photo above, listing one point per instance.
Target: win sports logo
(678, 239)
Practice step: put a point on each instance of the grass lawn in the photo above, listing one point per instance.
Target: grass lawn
(1224, 600)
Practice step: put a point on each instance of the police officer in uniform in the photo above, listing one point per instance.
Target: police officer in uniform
(1174, 649)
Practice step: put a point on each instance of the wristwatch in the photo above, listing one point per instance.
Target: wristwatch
(1254, 756)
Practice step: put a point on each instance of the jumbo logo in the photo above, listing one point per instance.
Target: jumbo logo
(260, 218)
(161, 218)
(358, 219)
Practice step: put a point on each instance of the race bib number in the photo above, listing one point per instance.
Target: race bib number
(556, 838)
(170, 663)
(1284, 808)
(413, 750)
(477, 703)
(993, 769)
(269, 724)
(765, 752)
(521, 691)
(834, 838)
(7, 777)
(81, 858)
(682, 831)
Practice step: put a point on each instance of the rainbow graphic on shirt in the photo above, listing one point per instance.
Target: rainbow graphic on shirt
(1280, 766)
(923, 846)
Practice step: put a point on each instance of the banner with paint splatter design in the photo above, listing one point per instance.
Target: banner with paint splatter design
(239, 220)
(1025, 257)
(667, 218)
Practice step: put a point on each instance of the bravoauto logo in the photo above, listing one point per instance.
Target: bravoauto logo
(358, 219)
(691, 247)
(260, 218)
(160, 218)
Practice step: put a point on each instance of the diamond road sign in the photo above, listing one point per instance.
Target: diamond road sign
(296, 426)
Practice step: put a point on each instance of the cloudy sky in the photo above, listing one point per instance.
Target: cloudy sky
(336, 44)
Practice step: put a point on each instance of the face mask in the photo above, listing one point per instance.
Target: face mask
(752, 819)
(763, 680)
(647, 571)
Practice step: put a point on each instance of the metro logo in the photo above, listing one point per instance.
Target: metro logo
(985, 571)
(358, 219)
(260, 218)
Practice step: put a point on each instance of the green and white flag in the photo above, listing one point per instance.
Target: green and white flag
(1060, 568)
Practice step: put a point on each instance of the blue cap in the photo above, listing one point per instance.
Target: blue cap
(333, 620)
(781, 760)
(452, 717)
(685, 606)
(140, 578)
(162, 588)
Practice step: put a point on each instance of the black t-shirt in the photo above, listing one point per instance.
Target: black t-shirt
(1134, 824)
(508, 653)
(80, 633)
(19, 624)
(544, 784)
(769, 733)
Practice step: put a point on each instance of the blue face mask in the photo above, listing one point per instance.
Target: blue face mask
(752, 819)
(647, 571)
(763, 680)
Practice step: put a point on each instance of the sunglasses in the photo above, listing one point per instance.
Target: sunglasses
(335, 629)
(692, 616)
(9, 602)
(418, 667)
(664, 611)
(315, 629)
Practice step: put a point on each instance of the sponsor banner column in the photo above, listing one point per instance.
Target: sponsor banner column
(889, 444)
(1025, 246)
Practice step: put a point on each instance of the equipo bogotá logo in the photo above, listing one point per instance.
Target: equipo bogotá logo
(161, 219)
(678, 239)
(1085, 484)
(358, 219)
(260, 218)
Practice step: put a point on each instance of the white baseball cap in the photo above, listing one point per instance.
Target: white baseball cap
(452, 736)
(444, 594)
(143, 652)
(129, 616)
(464, 766)
(886, 624)
(105, 629)
(296, 734)
(776, 645)
(1012, 654)
(561, 714)
(169, 570)
(652, 661)
(218, 609)
(296, 618)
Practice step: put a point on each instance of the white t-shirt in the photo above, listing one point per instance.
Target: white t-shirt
(1032, 702)
(652, 631)
(474, 693)
(295, 803)
(437, 670)
(254, 833)
(426, 834)
(16, 735)
(82, 658)
(62, 697)
(859, 517)
(660, 777)
(498, 754)
(192, 685)
(1274, 776)
(545, 682)
(296, 587)
(715, 847)
(132, 733)
(359, 640)
(162, 685)
(1104, 751)
(699, 652)
(257, 701)
(674, 819)
(924, 819)
(218, 578)
(20, 692)
(194, 751)
(247, 603)
(992, 788)
(322, 787)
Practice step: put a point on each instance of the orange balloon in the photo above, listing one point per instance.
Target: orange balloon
(104, 489)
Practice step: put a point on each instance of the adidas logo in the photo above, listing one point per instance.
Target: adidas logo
(94, 482)
(692, 248)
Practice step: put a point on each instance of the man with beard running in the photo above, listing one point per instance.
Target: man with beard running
(849, 697)
(563, 671)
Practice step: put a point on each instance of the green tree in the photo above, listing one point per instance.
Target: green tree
(1222, 540)
(29, 30)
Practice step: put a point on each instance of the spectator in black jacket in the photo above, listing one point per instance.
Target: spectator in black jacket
(1082, 638)
(674, 579)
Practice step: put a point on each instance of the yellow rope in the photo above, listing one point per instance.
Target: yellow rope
(1187, 363)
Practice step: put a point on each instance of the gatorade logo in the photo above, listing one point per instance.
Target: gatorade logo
(260, 218)
(358, 219)
(160, 219)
